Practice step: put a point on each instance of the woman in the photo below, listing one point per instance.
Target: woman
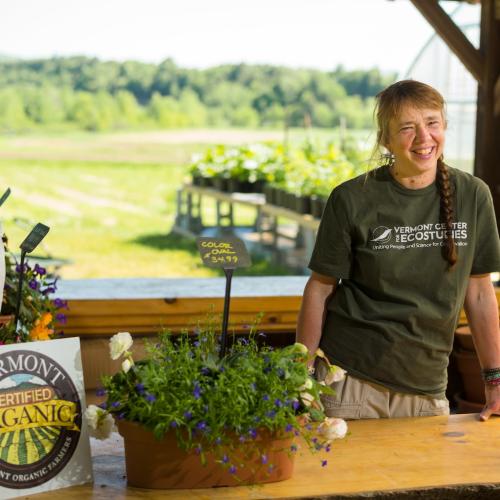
(398, 252)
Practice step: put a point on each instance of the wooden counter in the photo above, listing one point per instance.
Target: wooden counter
(426, 457)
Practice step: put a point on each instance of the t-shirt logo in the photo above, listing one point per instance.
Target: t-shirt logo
(381, 234)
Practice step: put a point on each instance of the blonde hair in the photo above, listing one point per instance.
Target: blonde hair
(389, 103)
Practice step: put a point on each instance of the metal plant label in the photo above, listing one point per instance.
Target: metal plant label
(226, 253)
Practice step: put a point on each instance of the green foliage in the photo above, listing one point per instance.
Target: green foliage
(38, 308)
(185, 386)
(102, 95)
(304, 170)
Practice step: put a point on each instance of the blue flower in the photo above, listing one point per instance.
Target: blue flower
(188, 415)
(288, 428)
(265, 397)
(100, 392)
(225, 459)
(327, 448)
(139, 387)
(253, 433)
(197, 391)
(60, 304)
(295, 405)
(324, 463)
(232, 469)
(115, 404)
(278, 403)
(103, 406)
(61, 318)
(263, 459)
(205, 370)
(173, 424)
(271, 414)
(151, 398)
(40, 270)
(201, 426)
(33, 284)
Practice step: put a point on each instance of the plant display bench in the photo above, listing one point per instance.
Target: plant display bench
(426, 458)
(298, 234)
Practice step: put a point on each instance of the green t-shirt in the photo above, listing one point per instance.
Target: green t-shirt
(392, 318)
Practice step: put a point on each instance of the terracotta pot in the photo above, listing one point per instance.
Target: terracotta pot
(464, 338)
(5, 319)
(470, 371)
(163, 465)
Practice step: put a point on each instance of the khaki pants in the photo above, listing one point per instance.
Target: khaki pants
(355, 399)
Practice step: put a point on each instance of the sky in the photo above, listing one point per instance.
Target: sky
(359, 34)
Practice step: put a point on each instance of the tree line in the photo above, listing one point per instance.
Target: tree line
(96, 95)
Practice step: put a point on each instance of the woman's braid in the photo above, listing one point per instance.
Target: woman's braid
(446, 212)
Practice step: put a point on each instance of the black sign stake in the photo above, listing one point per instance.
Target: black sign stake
(228, 254)
(36, 235)
(4, 196)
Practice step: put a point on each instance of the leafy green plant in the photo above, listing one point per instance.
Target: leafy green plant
(185, 387)
(38, 311)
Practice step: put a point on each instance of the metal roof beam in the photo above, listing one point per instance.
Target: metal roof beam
(445, 27)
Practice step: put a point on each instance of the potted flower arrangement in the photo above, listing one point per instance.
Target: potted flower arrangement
(38, 312)
(235, 420)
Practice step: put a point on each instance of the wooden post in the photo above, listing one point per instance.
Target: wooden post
(487, 159)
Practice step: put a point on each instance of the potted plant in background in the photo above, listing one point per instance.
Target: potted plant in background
(39, 310)
(190, 419)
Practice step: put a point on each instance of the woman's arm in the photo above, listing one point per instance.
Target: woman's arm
(318, 290)
(481, 308)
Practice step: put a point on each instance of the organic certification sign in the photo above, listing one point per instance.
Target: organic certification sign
(228, 253)
(43, 445)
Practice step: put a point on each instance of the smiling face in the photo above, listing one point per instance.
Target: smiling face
(416, 139)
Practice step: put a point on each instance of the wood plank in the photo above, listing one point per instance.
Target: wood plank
(395, 457)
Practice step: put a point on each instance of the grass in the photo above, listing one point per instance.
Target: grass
(109, 199)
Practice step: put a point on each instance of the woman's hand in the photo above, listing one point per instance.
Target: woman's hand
(492, 407)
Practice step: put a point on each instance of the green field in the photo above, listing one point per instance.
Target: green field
(109, 199)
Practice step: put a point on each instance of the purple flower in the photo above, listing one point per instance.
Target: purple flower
(196, 343)
(205, 370)
(196, 391)
(121, 416)
(115, 404)
(265, 397)
(61, 318)
(139, 387)
(103, 406)
(201, 426)
(242, 439)
(40, 270)
(288, 428)
(253, 433)
(327, 448)
(225, 459)
(271, 414)
(33, 284)
(295, 405)
(100, 392)
(278, 403)
(263, 459)
(173, 424)
(188, 415)
(151, 398)
(232, 469)
(60, 304)
(49, 290)
(324, 463)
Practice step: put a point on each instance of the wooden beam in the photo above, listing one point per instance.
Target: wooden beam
(437, 17)
(487, 158)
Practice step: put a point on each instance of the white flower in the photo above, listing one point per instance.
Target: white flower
(306, 385)
(127, 364)
(119, 344)
(306, 398)
(101, 423)
(333, 428)
(335, 374)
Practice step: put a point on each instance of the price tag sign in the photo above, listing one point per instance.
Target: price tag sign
(227, 253)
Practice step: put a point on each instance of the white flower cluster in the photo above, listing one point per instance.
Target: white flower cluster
(119, 345)
(100, 423)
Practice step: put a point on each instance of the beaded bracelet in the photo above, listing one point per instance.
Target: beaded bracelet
(491, 376)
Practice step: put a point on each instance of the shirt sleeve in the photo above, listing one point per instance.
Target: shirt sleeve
(332, 255)
(487, 245)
